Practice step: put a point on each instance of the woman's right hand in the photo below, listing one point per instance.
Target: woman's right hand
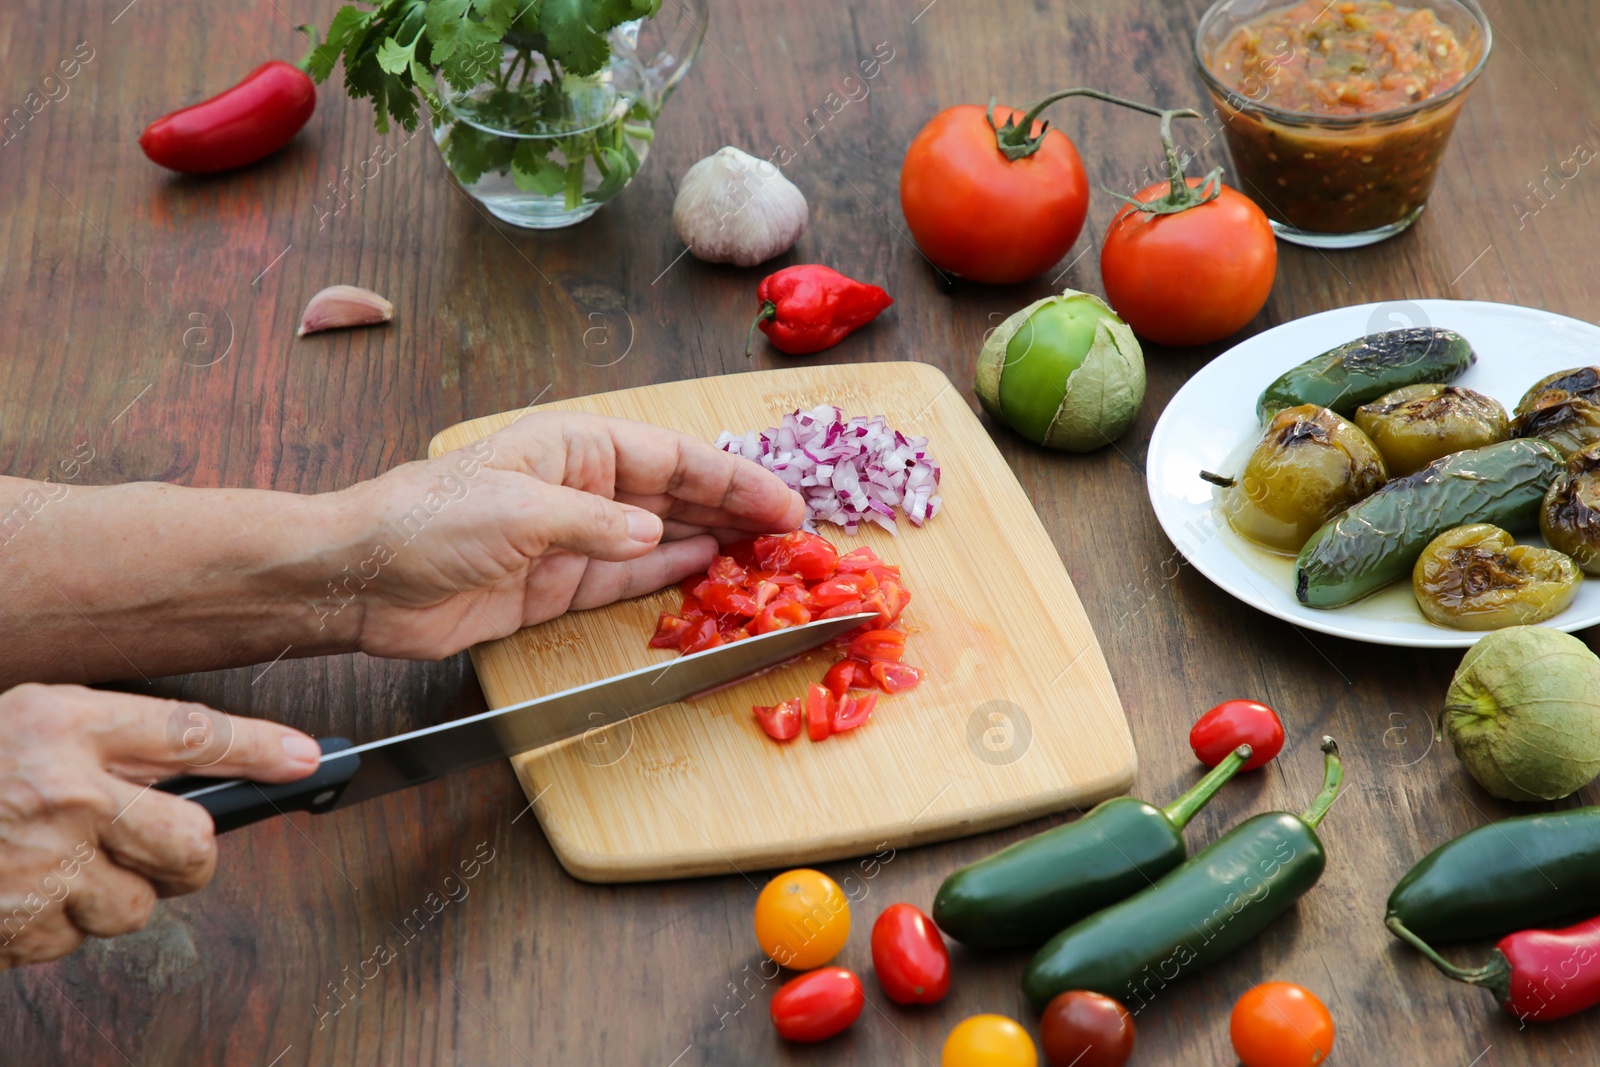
(86, 846)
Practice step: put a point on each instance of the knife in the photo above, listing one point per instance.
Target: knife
(348, 775)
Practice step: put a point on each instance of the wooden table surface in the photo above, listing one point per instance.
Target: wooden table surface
(150, 320)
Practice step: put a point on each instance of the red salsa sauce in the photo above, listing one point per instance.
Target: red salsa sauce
(1340, 61)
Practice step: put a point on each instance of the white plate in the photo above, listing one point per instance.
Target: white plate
(1211, 425)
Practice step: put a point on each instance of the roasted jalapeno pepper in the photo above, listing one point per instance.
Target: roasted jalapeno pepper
(1415, 425)
(1219, 899)
(1478, 578)
(1346, 377)
(1378, 540)
(1509, 875)
(1031, 890)
(1309, 465)
(1563, 409)
(1570, 516)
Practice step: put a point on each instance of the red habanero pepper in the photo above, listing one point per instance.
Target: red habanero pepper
(810, 307)
(240, 125)
(1536, 975)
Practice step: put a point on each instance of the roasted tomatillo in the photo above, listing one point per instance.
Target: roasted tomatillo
(1416, 424)
(1563, 409)
(1478, 578)
(1064, 372)
(1309, 465)
(1570, 515)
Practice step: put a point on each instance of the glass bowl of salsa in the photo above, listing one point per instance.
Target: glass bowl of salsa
(1337, 114)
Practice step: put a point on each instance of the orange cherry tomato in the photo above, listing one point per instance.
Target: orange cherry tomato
(988, 1041)
(982, 216)
(802, 919)
(1193, 277)
(1280, 1024)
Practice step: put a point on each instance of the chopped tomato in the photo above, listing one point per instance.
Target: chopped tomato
(839, 611)
(725, 598)
(895, 677)
(670, 629)
(727, 569)
(839, 589)
(846, 675)
(805, 554)
(765, 591)
(876, 646)
(779, 615)
(853, 711)
(742, 552)
(703, 636)
(820, 709)
(858, 561)
(781, 721)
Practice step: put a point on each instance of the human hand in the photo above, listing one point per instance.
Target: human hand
(559, 511)
(86, 846)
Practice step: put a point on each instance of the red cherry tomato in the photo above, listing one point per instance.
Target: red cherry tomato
(811, 557)
(1082, 1029)
(982, 216)
(896, 677)
(701, 636)
(781, 721)
(1233, 723)
(817, 1005)
(820, 709)
(879, 646)
(909, 955)
(1224, 252)
(846, 675)
(851, 712)
(237, 126)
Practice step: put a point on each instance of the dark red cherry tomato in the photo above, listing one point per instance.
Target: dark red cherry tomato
(1081, 1029)
(240, 125)
(1233, 723)
(909, 955)
(817, 1005)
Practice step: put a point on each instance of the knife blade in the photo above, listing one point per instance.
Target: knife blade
(350, 774)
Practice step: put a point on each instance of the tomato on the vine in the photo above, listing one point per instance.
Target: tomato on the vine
(1193, 275)
(1280, 1024)
(909, 956)
(1233, 723)
(817, 1005)
(981, 213)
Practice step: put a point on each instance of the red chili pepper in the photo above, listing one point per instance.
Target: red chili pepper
(1536, 975)
(237, 126)
(810, 307)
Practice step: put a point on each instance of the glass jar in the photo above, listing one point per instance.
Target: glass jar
(1337, 181)
(542, 149)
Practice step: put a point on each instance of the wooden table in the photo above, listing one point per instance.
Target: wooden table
(152, 320)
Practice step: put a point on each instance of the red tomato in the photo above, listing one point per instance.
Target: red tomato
(725, 598)
(982, 216)
(670, 629)
(781, 721)
(1081, 1029)
(859, 561)
(909, 955)
(779, 615)
(805, 554)
(703, 636)
(851, 712)
(1280, 1024)
(878, 646)
(846, 675)
(817, 1005)
(1223, 251)
(839, 611)
(1233, 723)
(840, 589)
(896, 677)
(237, 126)
(820, 709)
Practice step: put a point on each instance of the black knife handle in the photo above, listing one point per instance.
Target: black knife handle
(240, 802)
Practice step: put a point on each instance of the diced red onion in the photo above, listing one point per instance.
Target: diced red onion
(847, 471)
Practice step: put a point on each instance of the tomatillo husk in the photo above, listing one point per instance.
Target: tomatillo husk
(1073, 381)
(1523, 713)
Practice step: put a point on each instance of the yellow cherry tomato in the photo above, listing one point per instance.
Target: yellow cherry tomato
(988, 1041)
(802, 919)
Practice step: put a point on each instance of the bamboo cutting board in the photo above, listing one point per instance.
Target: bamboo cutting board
(1017, 715)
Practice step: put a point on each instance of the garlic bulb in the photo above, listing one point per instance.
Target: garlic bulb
(735, 208)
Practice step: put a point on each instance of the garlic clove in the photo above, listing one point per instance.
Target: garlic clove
(339, 306)
(734, 208)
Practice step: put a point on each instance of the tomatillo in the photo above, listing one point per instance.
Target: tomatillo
(1064, 372)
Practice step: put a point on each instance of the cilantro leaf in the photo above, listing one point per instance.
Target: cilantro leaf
(571, 40)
